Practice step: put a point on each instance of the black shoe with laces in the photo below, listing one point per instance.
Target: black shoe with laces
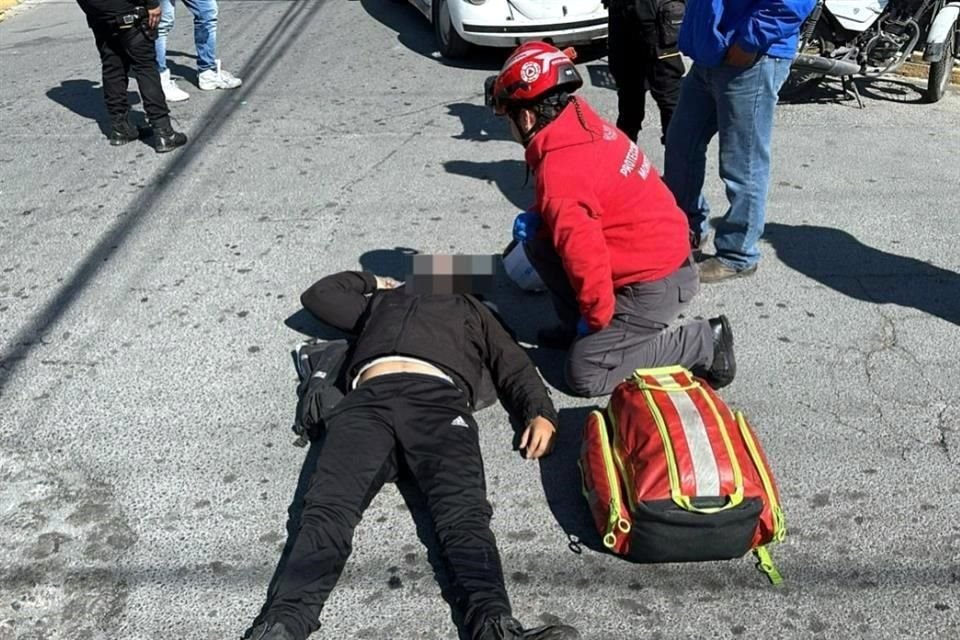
(556, 337)
(123, 131)
(724, 367)
(270, 631)
(166, 138)
(509, 628)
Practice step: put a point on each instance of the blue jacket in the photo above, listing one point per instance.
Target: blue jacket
(766, 27)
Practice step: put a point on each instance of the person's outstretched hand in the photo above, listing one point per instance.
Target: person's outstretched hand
(537, 439)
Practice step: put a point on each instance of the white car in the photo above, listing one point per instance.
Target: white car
(507, 23)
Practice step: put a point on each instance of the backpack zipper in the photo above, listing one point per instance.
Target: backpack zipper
(614, 522)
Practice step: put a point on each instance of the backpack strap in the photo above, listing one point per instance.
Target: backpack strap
(765, 565)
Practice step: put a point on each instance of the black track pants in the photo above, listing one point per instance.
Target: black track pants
(425, 422)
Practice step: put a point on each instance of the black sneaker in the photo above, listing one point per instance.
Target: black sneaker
(166, 138)
(724, 367)
(556, 337)
(270, 631)
(123, 131)
(509, 628)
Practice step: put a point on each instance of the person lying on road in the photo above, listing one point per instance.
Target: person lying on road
(413, 377)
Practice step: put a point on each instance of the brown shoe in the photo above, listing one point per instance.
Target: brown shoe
(712, 270)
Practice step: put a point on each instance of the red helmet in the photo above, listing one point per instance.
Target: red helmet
(533, 71)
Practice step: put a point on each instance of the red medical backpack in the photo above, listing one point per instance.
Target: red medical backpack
(673, 475)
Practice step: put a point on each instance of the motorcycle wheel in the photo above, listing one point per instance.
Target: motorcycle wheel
(938, 78)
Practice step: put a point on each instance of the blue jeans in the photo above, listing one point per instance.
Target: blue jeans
(738, 104)
(204, 32)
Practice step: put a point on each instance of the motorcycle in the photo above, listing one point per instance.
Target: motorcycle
(844, 38)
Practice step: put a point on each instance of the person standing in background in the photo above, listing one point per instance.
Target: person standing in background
(642, 51)
(210, 75)
(742, 51)
(124, 31)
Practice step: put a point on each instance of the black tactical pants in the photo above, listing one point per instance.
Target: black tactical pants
(123, 51)
(637, 62)
(425, 422)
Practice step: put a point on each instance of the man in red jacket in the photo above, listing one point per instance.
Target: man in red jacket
(608, 239)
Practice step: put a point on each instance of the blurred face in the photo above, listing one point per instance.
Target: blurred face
(451, 274)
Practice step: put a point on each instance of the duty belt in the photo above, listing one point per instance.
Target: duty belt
(129, 20)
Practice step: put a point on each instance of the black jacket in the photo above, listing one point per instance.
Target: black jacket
(456, 333)
(98, 10)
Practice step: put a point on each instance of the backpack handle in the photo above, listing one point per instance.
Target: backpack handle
(734, 499)
(664, 375)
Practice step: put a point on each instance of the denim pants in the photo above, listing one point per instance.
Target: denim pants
(738, 104)
(204, 32)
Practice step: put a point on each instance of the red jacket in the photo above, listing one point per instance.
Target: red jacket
(611, 219)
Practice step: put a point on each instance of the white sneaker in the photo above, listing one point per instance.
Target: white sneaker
(218, 79)
(171, 91)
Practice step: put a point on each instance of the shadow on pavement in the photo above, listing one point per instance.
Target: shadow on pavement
(85, 98)
(396, 263)
(415, 32)
(510, 176)
(479, 123)
(269, 53)
(562, 485)
(183, 73)
(840, 261)
(824, 90)
(302, 321)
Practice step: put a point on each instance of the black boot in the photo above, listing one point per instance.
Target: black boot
(556, 337)
(509, 628)
(122, 131)
(724, 367)
(268, 630)
(166, 138)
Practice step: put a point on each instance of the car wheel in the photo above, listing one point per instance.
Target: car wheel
(450, 43)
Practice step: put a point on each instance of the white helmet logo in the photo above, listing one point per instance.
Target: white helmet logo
(529, 72)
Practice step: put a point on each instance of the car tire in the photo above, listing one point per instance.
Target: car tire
(450, 43)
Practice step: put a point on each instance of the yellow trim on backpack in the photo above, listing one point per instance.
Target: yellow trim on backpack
(779, 524)
(672, 472)
(737, 496)
(664, 372)
(681, 500)
(621, 467)
(614, 521)
(766, 566)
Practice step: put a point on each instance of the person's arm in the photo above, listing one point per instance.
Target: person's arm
(340, 300)
(519, 385)
(770, 21)
(578, 238)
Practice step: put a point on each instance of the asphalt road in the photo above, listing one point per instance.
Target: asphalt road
(148, 305)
